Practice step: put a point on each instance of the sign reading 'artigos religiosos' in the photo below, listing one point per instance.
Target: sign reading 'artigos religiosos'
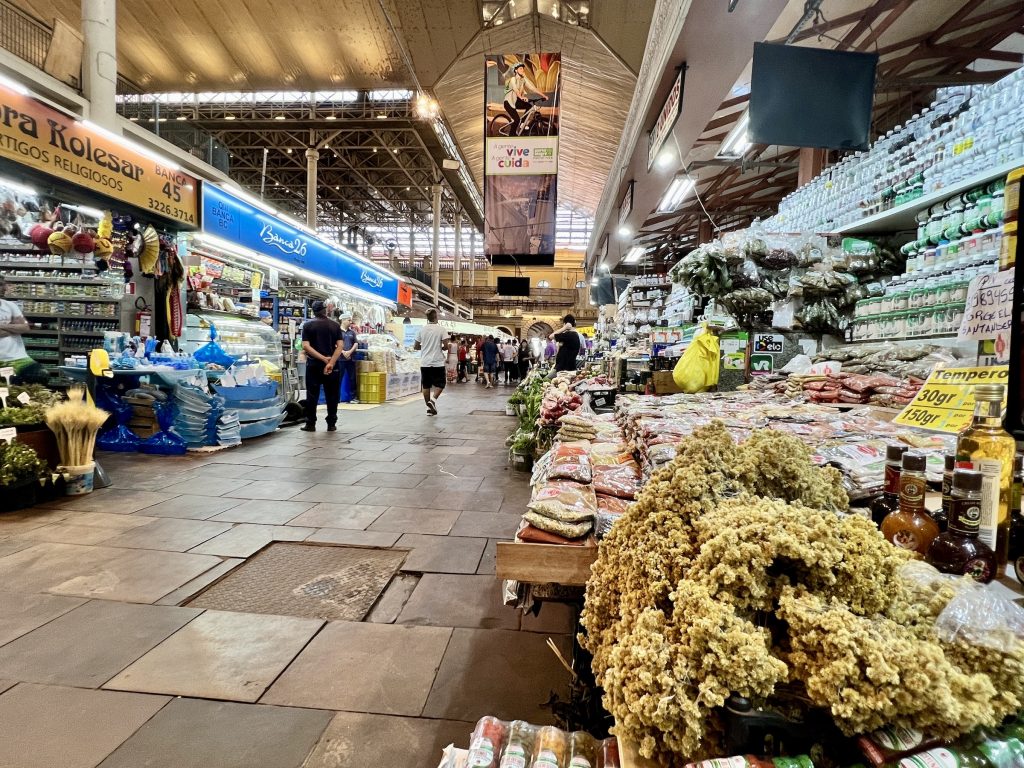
(233, 219)
(34, 135)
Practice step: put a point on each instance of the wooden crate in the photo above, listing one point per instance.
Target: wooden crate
(545, 563)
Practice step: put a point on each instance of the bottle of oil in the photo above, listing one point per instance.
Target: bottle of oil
(988, 448)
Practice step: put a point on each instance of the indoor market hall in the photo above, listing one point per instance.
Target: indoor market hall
(511, 384)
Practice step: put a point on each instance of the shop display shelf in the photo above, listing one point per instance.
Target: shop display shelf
(113, 318)
(904, 217)
(896, 339)
(73, 332)
(530, 563)
(83, 299)
(42, 265)
(41, 332)
(60, 280)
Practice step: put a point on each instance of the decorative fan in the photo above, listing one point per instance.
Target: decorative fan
(150, 250)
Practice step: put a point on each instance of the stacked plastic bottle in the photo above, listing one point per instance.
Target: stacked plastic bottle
(967, 131)
(498, 744)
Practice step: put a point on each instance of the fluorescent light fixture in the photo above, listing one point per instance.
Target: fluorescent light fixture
(94, 213)
(13, 85)
(634, 254)
(20, 188)
(677, 191)
(132, 145)
(738, 141)
(625, 231)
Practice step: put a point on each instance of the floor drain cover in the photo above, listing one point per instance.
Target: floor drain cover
(317, 582)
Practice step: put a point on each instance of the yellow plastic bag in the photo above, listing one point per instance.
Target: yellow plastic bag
(697, 369)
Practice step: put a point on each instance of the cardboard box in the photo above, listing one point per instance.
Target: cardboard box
(664, 384)
(364, 366)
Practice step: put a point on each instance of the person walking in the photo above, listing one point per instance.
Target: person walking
(524, 359)
(549, 350)
(510, 356)
(431, 343)
(568, 345)
(490, 354)
(480, 360)
(463, 360)
(321, 341)
(451, 365)
(347, 361)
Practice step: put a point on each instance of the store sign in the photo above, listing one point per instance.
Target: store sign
(626, 206)
(34, 135)
(404, 295)
(946, 401)
(761, 364)
(768, 342)
(521, 128)
(989, 310)
(666, 118)
(233, 219)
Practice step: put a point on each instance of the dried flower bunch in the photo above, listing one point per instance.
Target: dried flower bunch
(733, 573)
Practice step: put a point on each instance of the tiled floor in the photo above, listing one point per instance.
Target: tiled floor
(99, 666)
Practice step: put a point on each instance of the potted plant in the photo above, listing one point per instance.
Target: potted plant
(516, 402)
(521, 445)
(21, 472)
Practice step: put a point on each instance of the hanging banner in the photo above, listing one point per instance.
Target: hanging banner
(34, 135)
(521, 116)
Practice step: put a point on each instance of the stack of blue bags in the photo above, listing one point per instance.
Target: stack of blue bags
(202, 420)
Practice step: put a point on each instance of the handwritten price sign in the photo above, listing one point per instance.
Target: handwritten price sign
(989, 309)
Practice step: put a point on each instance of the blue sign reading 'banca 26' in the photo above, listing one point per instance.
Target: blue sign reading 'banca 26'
(233, 219)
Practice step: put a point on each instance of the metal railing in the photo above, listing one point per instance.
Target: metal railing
(24, 35)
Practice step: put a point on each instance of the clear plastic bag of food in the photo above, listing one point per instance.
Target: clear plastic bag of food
(566, 501)
(981, 617)
(622, 480)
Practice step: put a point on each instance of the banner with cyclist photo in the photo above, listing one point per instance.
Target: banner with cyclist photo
(521, 157)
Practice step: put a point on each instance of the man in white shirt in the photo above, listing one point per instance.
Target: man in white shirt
(510, 357)
(12, 348)
(431, 342)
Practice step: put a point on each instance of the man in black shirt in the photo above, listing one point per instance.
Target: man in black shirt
(568, 345)
(321, 341)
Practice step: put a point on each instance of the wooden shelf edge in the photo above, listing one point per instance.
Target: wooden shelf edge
(545, 563)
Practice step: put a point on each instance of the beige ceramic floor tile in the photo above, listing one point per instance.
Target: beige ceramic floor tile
(90, 644)
(23, 613)
(207, 486)
(270, 489)
(191, 733)
(327, 490)
(490, 524)
(264, 512)
(50, 727)
(441, 554)
(192, 507)
(68, 533)
(448, 600)
(354, 538)
(140, 576)
(364, 667)
(351, 516)
(246, 539)
(108, 520)
(116, 500)
(220, 655)
(392, 741)
(409, 520)
(169, 534)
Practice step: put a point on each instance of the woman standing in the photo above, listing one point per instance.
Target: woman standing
(452, 363)
(463, 360)
(524, 359)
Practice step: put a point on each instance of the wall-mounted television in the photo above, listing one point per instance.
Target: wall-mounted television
(513, 286)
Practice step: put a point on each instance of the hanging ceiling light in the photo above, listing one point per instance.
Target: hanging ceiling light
(737, 142)
(677, 191)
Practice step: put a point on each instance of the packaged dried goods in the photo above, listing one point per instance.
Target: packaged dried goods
(568, 530)
(621, 480)
(564, 500)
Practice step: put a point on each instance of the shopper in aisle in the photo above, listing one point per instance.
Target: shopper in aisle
(431, 342)
(347, 361)
(510, 357)
(463, 360)
(489, 354)
(451, 366)
(524, 359)
(12, 347)
(321, 341)
(568, 345)
(549, 349)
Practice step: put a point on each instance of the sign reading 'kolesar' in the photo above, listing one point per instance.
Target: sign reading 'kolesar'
(42, 138)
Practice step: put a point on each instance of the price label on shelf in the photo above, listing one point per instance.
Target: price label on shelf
(946, 401)
(24, 398)
(8, 434)
(7, 373)
(989, 310)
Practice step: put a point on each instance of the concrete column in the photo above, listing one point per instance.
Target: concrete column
(99, 61)
(435, 250)
(472, 258)
(457, 272)
(312, 158)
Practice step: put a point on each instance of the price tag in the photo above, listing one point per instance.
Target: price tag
(8, 434)
(946, 401)
(989, 310)
(4, 393)
(7, 373)
(24, 398)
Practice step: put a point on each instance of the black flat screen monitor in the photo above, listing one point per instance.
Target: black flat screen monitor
(809, 97)
(513, 286)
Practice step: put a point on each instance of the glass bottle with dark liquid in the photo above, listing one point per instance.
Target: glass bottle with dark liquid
(889, 501)
(959, 550)
(910, 527)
